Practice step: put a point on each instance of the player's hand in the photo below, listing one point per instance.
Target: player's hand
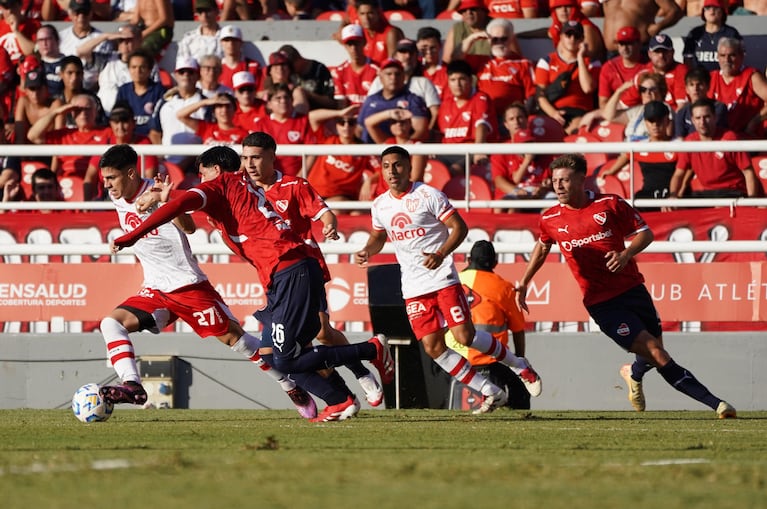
(521, 297)
(361, 258)
(432, 261)
(113, 248)
(330, 232)
(126, 240)
(616, 261)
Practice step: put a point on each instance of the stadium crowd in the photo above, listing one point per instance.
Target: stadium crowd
(472, 84)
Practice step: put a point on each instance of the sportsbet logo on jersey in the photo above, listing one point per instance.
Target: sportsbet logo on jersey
(400, 231)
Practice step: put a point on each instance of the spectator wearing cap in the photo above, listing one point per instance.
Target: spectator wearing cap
(313, 76)
(164, 127)
(234, 59)
(741, 87)
(250, 109)
(17, 31)
(567, 79)
(122, 129)
(352, 78)
(494, 309)
(78, 34)
(205, 39)
(622, 68)
(394, 94)
(222, 129)
(719, 174)
(87, 132)
(697, 83)
(650, 87)
(115, 72)
(47, 40)
(279, 71)
(428, 41)
(648, 17)
(142, 93)
(508, 77)
(468, 39)
(407, 54)
(520, 176)
(381, 37)
(656, 167)
(563, 11)
(34, 103)
(661, 55)
(156, 16)
(700, 44)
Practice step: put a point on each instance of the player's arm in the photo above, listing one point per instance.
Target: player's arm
(458, 232)
(537, 258)
(329, 225)
(373, 246)
(187, 202)
(617, 260)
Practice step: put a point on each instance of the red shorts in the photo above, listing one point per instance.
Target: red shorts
(199, 305)
(433, 311)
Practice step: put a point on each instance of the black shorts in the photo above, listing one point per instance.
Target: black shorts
(624, 316)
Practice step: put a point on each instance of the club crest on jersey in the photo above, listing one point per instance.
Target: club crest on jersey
(294, 136)
(282, 205)
(600, 218)
(411, 204)
(402, 103)
(623, 329)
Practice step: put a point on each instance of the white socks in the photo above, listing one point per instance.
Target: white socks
(120, 350)
(248, 346)
(488, 345)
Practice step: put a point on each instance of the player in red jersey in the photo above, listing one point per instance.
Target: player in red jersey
(174, 287)
(291, 276)
(300, 205)
(591, 230)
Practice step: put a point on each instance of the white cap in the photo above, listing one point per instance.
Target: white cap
(187, 63)
(230, 32)
(352, 32)
(243, 79)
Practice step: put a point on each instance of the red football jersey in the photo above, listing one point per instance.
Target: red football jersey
(614, 74)
(212, 134)
(738, 95)
(375, 46)
(75, 165)
(674, 83)
(510, 8)
(458, 123)
(507, 81)
(586, 235)
(438, 78)
(340, 175)
(299, 204)
(353, 85)
(551, 66)
(293, 131)
(253, 67)
(250, 120)
(717, 170)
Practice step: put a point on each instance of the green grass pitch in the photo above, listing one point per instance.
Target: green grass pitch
(409, 459)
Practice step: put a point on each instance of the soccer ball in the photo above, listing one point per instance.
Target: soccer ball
(89, 406)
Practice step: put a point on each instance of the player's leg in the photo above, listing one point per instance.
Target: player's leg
(330, 336)
(455, 308)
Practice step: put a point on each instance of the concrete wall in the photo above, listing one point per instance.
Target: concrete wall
(579, 370)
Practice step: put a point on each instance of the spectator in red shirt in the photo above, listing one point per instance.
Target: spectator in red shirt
(278, 72)
(622, 68)
(661, 53)
(512, 9)
(17, 32)
(87, 132)
(429, 45)
(467, 116)
(508, 77)
(353, 78)
(381, 36)
(222, 129)
(250, 109)
(741, 88)
(720, 174)
(567, 104)
(45, 187)
(520, 175)
(234, 60)
(563, 11)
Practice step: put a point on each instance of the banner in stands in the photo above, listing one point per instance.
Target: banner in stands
(698, 287)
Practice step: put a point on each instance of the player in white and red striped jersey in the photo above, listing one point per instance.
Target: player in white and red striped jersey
(300, 205)
(174, 287)
(591, 231)
(425, 228)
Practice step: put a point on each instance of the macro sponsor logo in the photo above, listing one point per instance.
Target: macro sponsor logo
(401, 230)
(569, 245)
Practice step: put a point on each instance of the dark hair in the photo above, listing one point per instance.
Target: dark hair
(570, 161)
(396, 149)
(372, 3)
(121, 111)
(121, 157)
(52, 30)
(658, 78)
(700, 74)
(459, 67)
(516, 105)
(142, 53)
(482, 256)
(704, 102)
(71, 59)
(428, 33)
(290, 51)
(228, 97)
(225, 157)
(260, 139)
(43, 174)
(279, 87)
